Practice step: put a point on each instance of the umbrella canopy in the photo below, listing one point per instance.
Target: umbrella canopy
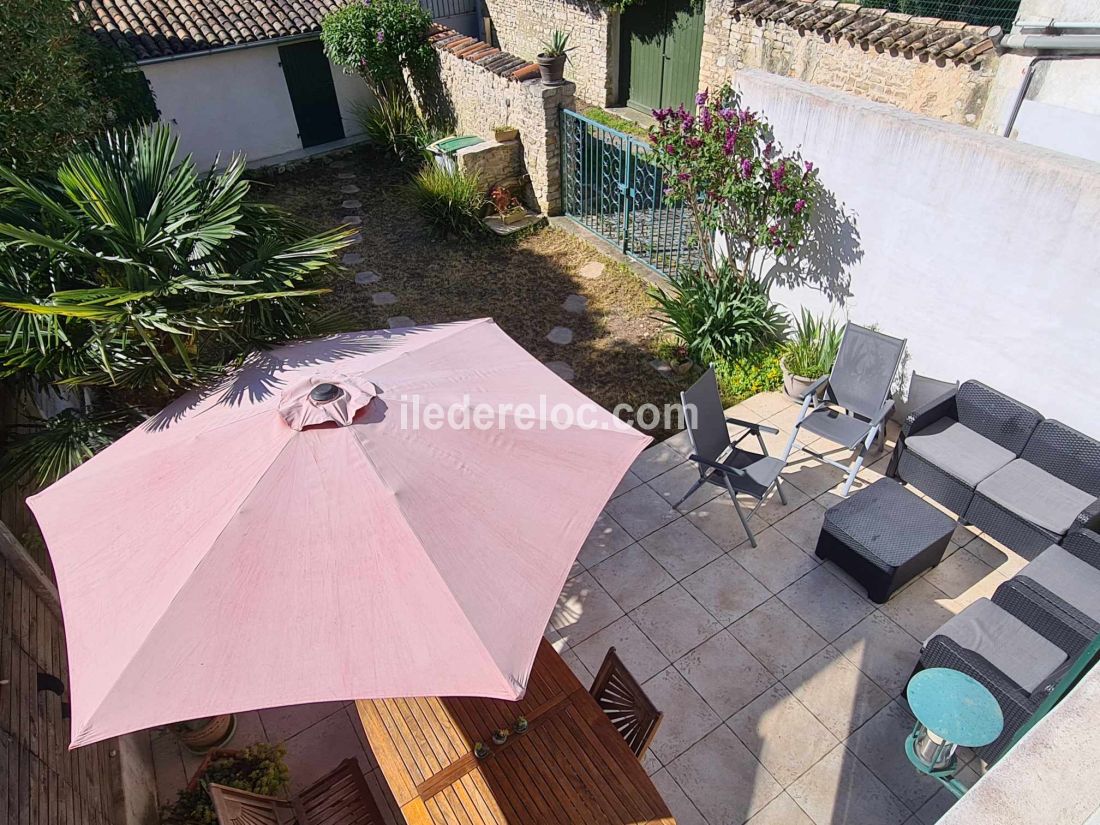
(275, 540)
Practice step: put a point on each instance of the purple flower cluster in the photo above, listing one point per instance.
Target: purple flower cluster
(380, 36)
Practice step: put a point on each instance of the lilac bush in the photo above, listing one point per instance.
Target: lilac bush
(723, 164)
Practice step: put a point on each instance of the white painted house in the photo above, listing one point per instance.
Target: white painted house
(238, 75)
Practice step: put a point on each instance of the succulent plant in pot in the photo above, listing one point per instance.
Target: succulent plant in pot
(551, 59)
(810, 353)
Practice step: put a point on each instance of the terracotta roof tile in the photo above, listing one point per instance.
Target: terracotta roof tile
(150, 29)
(944, 39)
(494, 60)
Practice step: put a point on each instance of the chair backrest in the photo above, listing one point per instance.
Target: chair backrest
(1065, 453)
(863, 374)
(236, 807)
(620, 696)
(705, 418)
(341, 797)
(996, 416)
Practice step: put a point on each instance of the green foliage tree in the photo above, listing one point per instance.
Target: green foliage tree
(129, 271)
(59, 85)
(381, 40)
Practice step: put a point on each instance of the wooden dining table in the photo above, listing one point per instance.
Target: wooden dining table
(569, 766)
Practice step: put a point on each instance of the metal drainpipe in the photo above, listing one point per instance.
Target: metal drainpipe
(1029, 75)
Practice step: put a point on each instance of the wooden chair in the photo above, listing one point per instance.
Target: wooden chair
(341, 797)
(625, 703)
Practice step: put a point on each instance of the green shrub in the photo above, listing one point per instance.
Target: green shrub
(743, 378)
(725, 318)
(449, 201)
(258, 768)
(397, 128)
(619, 124)
(812, 350)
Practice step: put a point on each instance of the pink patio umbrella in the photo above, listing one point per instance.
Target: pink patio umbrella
(303, 532)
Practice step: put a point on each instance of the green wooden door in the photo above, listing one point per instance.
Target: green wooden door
(309, 81)
(662, 42)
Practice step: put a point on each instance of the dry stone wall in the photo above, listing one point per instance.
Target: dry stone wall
(521, 27)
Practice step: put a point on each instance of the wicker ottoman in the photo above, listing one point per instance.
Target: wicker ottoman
(884, 536)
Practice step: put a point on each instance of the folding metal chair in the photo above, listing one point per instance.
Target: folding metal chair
(860, 385)
(721, 461)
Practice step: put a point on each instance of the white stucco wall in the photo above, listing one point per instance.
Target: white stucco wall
(981, 251)
(237, 101)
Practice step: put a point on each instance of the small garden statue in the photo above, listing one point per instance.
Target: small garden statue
(724, 165)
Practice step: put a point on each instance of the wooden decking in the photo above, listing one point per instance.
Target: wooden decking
(570, 766)
(41, 781)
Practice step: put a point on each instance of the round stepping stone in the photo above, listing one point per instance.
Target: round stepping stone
(352, 220)
(352, 258)
(349, 190)
(560, 369)
(356, 238)
(576, 304)
(346, 175)
(591, 270)
(661, 366)
(367, 277)
(382, 299)
(560, 336)
(351, 204)
(400, 322)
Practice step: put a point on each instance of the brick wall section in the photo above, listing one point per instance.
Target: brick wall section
(487, 88)
(521, 27)
(921, 81)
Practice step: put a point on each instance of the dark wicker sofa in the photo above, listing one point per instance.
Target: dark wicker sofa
(1000, 466)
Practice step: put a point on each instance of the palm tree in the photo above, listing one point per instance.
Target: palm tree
(130, 271)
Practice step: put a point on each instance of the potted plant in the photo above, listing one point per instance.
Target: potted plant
(507, 205)
(259, 768)
(810, 353)
(201, 735)
(552, 58)
(503, 134)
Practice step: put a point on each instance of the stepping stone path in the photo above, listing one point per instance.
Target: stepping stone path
(352, 220)
(400, 322)
(367, 277)
(352, 258)
(382, 299)
(663, 367)
(356, 238)
(560, 369)
(346, 176)
(351, 204)
(591, 270)
(349, 190)
(560, 336)
(575, 304)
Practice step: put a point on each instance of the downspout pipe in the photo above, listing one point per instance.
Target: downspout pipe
(1029, 75)
(1079, 43)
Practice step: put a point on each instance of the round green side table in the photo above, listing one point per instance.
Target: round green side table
(952, 710)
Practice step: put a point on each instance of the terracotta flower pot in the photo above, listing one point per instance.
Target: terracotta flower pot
(201, 735)
(552, 69)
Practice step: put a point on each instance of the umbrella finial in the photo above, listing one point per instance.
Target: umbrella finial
(323, 393)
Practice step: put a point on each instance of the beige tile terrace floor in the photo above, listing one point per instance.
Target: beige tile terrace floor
(781, 684)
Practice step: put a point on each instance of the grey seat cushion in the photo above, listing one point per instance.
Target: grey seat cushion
(1005, 642)
(1067, 577)
(1036, 496)
(836, 426)
(959, 451)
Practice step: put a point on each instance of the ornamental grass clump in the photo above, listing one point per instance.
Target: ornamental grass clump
(449, 201)
(735, 181)
(812, 350)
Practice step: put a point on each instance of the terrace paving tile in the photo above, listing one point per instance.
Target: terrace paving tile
(675, 622)
(841, 790)
(604, 540)
(724, 673)
(803, 526)
(583, 609)
(682, 808)
(726, 589)
(638, 653)
(877, 744)
(718, 519)
(781, 811)
(882, 650)
(284, 722)
(776, 561)
(688, 718)
(632, 577)
(775, 635)
(672, 484)
(641, 511)
(836, 692)
(920, 609)
(826, 603)
(318, 749)
(681, 548)
(656, 460)
(629, 482)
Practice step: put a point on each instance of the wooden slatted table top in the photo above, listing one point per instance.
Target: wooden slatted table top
(570, 766)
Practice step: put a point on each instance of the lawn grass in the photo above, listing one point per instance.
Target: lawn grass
(520, 283)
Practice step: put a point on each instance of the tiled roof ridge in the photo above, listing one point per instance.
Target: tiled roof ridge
(481, 53)
(884, 30)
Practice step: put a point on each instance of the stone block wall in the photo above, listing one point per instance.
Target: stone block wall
(521, 27)
(497, 164)
(923, 81)
(483, 88)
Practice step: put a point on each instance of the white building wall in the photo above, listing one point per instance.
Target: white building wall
(980, 250)
(237, 101)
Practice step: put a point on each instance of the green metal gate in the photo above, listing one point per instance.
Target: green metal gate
(611, 186)
(662, 46)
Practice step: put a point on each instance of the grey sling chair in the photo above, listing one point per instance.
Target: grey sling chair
(721, 462)
(860, 384)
